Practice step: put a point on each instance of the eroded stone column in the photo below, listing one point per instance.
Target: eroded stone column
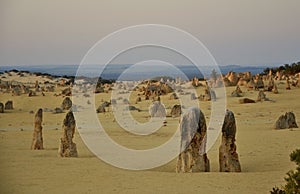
(193, 156)
(228, 157)
(37, 140)
(67, 147)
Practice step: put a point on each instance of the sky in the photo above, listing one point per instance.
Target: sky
(244, 32)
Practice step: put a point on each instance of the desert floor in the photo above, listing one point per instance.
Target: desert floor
(263, 151)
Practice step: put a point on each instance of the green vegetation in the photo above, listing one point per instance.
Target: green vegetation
(292, 185)
(285, 69)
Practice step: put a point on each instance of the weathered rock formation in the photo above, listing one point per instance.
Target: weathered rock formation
(232, 77)
(242, 82)
(226, 82)
(298, 81)
(99, 89)
(9, 105)
(165, 89)
(1, 107)
(126, 101)
(259, 82)
(37, 140)
(287, 85)
(270, 74)
(278, 75)
(207, 95)
(238, 89)
(16, 91)
(67, 92)
(133, 108)
(156, 89)
(192, 157)
(67, 147)
(57, 110)
(113, 101)
(246, 100)
(251, 84)
(213, 95)
(237, 92)
(275, 90)
(176, 110)
(157, 109)
(288, 120)
(193, 96)
(228, 157)
(261, 96)
(36, 84)
(138, 99)
(271, 84)
(195, 82)
(31, 93)
(66, 104)
(173, 96)
(101, 109)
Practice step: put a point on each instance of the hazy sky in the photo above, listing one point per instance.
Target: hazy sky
(235, 31)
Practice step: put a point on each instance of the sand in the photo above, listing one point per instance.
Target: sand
(263, 151)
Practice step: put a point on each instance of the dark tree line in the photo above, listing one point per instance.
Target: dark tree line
(285, 69)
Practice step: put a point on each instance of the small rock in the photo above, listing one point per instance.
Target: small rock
(288, 120)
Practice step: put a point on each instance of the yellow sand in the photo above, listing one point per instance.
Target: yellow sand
(263, 151)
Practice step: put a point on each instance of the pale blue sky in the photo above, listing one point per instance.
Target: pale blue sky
(235, 31)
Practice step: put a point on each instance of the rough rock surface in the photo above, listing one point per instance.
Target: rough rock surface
(133, 108)
(157, 109)
(246, 100)
(259, 82)
(271, 84)
(207, 96)
(192, 157)
(251, 84)
(9, 105)
(57, 110)
(66, 104)
(261, 96)
(1, 107)
(176, 110)
(288, 120)
(101, 109)
(37, 140)
(193, 96)
(67, 92)
(173, 96)
(237, 92)
(275, 90)
(138, 99)
(213, 95)
(287, 85)
(228, 157)
(67, 147)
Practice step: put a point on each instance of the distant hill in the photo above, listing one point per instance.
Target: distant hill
(114, 71)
